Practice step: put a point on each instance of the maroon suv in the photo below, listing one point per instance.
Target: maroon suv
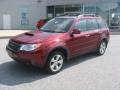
(60, 39)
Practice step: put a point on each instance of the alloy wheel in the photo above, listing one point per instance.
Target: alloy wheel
(56, 63)
(102, 48)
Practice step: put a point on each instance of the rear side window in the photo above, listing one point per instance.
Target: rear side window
(91, 24)
(81, 24)
(101, 23)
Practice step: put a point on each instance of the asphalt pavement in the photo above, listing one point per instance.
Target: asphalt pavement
(88, 72)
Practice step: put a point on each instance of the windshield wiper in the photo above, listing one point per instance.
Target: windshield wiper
(47, 31)
(52, 31)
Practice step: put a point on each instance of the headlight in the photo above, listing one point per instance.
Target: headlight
(29, 47)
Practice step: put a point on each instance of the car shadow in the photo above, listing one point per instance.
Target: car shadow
(80, 59)
(12, 73)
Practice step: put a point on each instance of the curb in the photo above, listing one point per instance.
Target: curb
(6, 37)
(7, 33)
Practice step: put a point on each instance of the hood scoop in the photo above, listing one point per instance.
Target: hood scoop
(29, 34)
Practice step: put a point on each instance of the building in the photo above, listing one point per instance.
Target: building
(23, 14)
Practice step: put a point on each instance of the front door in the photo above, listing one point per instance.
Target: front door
(78, 43)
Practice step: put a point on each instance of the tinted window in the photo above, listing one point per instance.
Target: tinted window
(81, 24)
(101, 23)
(91, 24)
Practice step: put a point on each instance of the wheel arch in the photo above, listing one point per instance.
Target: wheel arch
(61, 49)
(105, 39)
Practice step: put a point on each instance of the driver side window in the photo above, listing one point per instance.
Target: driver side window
(81, 24)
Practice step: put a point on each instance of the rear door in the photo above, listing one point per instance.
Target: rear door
(103, 29)
(92, 29)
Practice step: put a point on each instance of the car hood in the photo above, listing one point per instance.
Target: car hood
(34, 36)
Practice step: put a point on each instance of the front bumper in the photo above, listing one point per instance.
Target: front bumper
(34, 58)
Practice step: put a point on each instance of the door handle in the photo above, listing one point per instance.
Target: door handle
(100, 32)
(87, 35)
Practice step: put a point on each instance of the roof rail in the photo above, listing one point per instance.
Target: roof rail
(77, 14)
(93, 15)
(71, 14)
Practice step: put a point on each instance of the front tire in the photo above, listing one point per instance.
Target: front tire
(102, 48)
(55, 62)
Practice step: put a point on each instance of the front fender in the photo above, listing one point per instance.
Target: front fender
(53, 46)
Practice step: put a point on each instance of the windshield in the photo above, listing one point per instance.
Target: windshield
(57, 25)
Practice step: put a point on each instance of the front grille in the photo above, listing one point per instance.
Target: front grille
(14, 46)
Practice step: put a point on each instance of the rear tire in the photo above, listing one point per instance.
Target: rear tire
(102, 48)
(55, 62)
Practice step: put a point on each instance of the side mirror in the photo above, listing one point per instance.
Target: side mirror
(40, 23)
(76, 31)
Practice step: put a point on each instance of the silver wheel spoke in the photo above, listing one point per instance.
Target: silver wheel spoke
(52, 66)
(53, 59)
(56, 67)
(58, 57)
(60, 61)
